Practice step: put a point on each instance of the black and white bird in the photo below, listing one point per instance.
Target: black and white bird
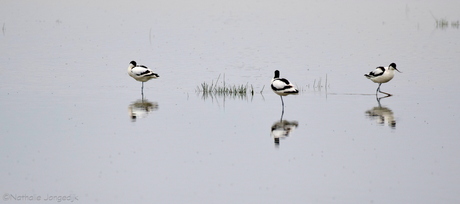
(141, 73)
(282, 86)
(382, 75)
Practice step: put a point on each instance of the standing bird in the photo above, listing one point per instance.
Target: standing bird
(141, 73)
(282, 87)
(382, 75)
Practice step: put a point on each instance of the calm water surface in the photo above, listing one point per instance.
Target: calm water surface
(67, 102)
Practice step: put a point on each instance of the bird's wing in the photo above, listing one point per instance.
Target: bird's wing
(143, 66)
(280, 84)
(377, 72)
(139, 71)
(284, 80)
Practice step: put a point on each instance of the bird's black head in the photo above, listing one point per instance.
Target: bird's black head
(277, 74)
(133, 63)
(394, 66)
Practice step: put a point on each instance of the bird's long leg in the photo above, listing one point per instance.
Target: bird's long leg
(282, 114)
(388, 94)
(378, 89)
(282, 102)
(378, 99)
(282, 110)
(142, 90)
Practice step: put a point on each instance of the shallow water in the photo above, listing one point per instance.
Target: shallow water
(67, 102)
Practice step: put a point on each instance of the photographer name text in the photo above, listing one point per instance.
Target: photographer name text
(52, 198)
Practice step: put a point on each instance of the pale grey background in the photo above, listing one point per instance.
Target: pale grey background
(65, 128)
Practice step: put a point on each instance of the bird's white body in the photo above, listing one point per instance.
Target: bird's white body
(282, 86)
(382, 74)
(140, 72)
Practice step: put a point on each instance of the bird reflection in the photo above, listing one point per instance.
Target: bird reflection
(141, 108)
(282, 128)
(382, 114)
